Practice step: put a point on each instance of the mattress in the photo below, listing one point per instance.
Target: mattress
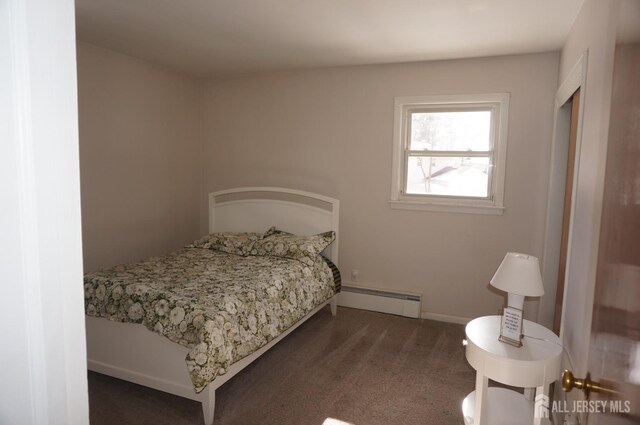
(221, 306)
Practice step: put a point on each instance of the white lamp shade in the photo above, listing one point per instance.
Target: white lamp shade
(519, 274)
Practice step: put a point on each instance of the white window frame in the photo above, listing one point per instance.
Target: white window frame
(498, 104)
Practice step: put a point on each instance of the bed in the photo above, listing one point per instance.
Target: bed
(134, 353)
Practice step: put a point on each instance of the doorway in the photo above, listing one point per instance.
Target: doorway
(573, 104)
(569, 109)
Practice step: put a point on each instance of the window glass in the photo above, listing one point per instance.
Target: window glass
(451, 131)
(449, 176)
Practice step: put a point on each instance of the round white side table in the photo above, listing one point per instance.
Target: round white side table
(534, 365)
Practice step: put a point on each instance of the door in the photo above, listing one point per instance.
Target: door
(566, 214)
(614, 348)
(614, 354)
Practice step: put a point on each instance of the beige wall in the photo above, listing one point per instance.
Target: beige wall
(594, 31)
(330, 131)
(139, 158)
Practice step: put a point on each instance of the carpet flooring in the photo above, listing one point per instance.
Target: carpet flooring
(360, 367)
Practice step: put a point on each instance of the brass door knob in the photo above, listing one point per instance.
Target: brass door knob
(586, 384)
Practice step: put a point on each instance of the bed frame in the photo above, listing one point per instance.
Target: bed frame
(133, 353)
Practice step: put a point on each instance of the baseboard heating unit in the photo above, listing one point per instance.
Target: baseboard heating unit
(400, 303)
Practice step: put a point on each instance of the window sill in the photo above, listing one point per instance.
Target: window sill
(446, 207)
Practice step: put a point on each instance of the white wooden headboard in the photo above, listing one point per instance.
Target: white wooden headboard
(256, 209)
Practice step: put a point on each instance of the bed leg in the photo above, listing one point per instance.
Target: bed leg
(334, 305)
(209, 405)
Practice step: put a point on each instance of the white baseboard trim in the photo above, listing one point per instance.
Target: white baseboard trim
(445, 318)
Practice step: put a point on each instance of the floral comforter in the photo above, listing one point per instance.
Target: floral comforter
(221, 306)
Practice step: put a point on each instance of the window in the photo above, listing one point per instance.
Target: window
(449, 153)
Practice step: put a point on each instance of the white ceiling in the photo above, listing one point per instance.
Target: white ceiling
(210, 38)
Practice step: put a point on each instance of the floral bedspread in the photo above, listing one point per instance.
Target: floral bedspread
(221, 306)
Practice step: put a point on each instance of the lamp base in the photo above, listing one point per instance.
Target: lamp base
(515, 301)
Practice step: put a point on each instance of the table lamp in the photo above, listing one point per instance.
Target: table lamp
(518, 276)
